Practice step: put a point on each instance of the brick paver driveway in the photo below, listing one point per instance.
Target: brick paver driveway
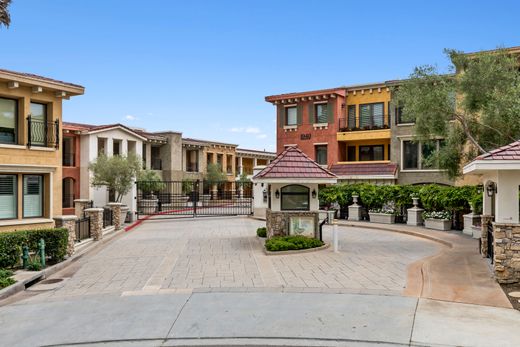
(182, 255)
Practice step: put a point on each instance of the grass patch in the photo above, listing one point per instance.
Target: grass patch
(261, 232)
(5, 278)
(295, 242)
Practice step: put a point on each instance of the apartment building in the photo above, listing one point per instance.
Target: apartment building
(31, 149)
(248, 159)
(357, 132)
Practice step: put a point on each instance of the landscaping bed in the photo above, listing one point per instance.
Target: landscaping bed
(513, 287)
(291, 243)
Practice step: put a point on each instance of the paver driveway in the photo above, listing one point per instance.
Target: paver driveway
(224, 253)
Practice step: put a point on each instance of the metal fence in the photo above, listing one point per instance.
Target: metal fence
(82, 229)
(107, 217)
(42, 133)
(194, 198)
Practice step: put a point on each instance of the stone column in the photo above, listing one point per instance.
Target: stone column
(116, 214)
(506, 262)
(485, 220)
(415, 213)
(68, 222)
(96, 222)
(79, 206)
(354, 210)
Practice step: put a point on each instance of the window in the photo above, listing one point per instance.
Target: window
(38, 124)
(32, 196)
(291, 116)
(8, 120)
(371, 115)
(400, 118)
(351, 116)
(351, 153)
(295, 197)
(371, 153)
(192, 160)
(321, 113)
(68, 151)
(321, 154)
(418, 155)
(116, 147)
(101, 146)
(8, 201)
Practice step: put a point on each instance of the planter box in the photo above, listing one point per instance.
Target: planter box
(383, 218)
(438, 224)
(149, 206)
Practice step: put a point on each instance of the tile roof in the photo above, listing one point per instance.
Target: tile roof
(33, 76)
(508, 152)
(293, 163)
(364, 169)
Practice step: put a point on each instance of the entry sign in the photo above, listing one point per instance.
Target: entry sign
(305, 136)
(301, 225)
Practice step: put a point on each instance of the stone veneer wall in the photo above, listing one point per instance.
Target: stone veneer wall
(506, 252)
(277, 223)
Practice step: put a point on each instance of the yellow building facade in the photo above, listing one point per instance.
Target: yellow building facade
(30, 149)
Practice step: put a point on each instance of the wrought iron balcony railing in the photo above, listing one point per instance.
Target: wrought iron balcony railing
(192, 167)
(43, 134)
(372, 123)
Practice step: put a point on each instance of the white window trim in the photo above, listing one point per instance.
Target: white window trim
(320, 102)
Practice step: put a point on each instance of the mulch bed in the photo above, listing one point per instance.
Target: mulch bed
(514, 287)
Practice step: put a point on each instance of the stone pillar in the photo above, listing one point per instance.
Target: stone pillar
(116, 214)
(68, 222)
(96, 222)
(469, 221)
(79, 206)
(415, 214)
(355, 210)
(240, 166)
(506, 262)
(485, 219)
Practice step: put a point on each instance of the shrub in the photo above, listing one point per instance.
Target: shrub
(285, 243)
(261, 232)
(34, 265)
(5, 280)
(11, 244)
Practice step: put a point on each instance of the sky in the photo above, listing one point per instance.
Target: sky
(205, 67)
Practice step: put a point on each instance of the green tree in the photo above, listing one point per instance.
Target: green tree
(243, 178)
(475, 108)
(5, 17)
(117, 173)
(214, 174)
(149, 181)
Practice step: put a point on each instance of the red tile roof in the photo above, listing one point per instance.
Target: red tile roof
(293, 163)
(508, 152)
(364, 169)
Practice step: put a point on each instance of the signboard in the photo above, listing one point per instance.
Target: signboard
(305, 136)
(302, 225)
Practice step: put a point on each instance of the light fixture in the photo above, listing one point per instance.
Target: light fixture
(313, 193)
(480, 189)
(491, 189)
(277, 194)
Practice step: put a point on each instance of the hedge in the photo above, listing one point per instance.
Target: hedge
(433, 197)
(293, 242)
(11, 244)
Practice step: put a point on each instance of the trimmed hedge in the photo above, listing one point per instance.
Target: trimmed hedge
(286, 243)
(11, 244)
(261, 232)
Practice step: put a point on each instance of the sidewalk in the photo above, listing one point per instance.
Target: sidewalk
(457, 274)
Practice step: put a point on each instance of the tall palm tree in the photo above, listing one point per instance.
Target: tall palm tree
(5, 18)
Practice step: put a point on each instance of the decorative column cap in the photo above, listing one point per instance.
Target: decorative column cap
(81, 200)
(111, 204)
(94, 209)
(65, 217)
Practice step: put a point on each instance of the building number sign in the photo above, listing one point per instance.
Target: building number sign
(305, 136)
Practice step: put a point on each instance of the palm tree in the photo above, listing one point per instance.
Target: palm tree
(5, 18)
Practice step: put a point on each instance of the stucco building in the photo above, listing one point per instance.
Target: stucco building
(31, 149)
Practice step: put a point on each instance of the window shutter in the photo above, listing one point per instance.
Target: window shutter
(364, 115)
(351, 116)
(281, 116)
(32, 196)
(330, 111)
(7, 196)
(299, 115)
(378, 114)
(310, 109)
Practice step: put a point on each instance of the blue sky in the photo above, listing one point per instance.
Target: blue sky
(204, 67)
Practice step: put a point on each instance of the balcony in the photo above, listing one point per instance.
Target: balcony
(69, 159)
(43, 134)
(156, 164)
(373, 128)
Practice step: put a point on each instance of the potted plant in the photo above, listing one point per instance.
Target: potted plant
(149, 183)
(384, 215)
(117, 173)
(437, 220)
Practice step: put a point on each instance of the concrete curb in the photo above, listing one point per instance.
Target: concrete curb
(51, 270)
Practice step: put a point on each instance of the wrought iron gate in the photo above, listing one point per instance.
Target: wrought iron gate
(169, 199)
(490, 242)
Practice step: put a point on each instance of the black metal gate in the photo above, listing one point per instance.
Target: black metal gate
(193, 198)
(490, 242)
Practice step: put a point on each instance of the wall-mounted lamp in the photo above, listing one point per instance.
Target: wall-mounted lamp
(277, 194)
(491, 189)
(480, 189)
(313, 194)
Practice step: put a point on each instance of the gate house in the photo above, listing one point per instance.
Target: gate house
(293, 181)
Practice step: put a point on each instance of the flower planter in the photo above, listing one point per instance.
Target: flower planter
(384, 218)
(148, 206)
(438, 224)
(124, 212)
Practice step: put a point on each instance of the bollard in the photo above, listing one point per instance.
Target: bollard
(25, 256)
(41, 245)
(335, 241)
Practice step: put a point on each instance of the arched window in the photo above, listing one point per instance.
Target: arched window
(295, 197)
